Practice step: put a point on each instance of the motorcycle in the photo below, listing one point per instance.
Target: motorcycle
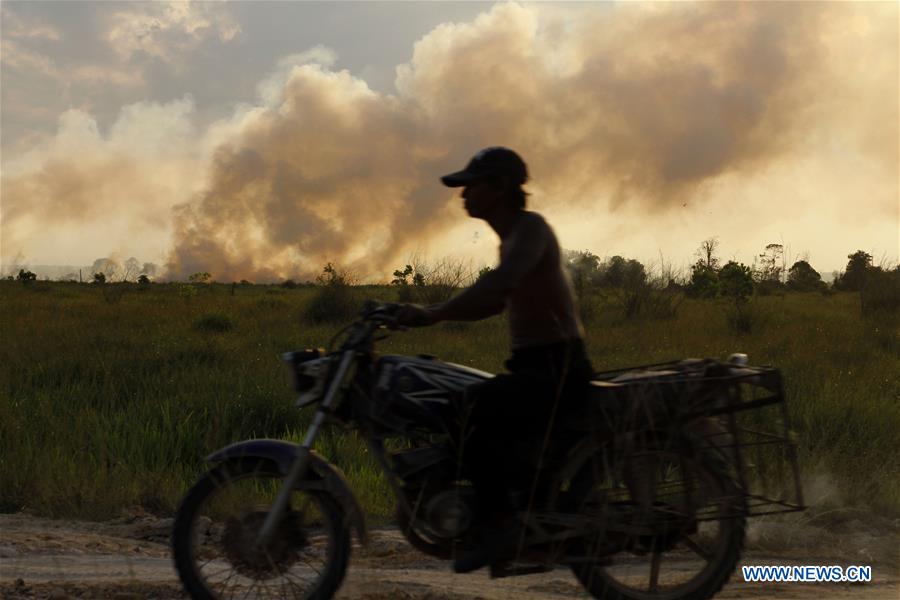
(643, 493)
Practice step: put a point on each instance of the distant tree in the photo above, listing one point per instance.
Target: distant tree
(706, 253)
(584, 268)
(334, 276)
(143, 279)
(612, 273)
(635, 275)
(880, 295)
(99, 278)
(26, 276)
(771, 266)
(483, 271)
(200, 277)
(736, 281)
(803, 278)
(110, 268)
(704, 282)
(289, 284)
(409, 275)
(854, 277)
(131, 268)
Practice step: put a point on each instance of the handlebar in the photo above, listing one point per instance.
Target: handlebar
(382, 314)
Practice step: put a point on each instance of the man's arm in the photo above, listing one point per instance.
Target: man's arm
(487, 297)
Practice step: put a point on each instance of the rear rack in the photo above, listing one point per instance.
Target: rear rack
(740, 410)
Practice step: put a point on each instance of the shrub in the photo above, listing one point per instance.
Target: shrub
(201, 277)
(214, 323)
(26, 277)
(424, 284)
(745, 317)
(803, 278)
(880, 294)
(113, 292)
(649, 299)
(770, 287)
(853, 279)
(334, 301)
(99, 278)
(186, 291)
(405, 280)
(704, 281)
(442, 280)
(289, 284)
(663, 302)
(736, 281)
(483, 271)
(143, 280)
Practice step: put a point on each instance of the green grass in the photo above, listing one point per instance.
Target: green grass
(109, 400)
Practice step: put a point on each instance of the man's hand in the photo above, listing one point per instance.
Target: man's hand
(413, 315)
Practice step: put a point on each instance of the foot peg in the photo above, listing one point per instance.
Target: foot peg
(507, 569)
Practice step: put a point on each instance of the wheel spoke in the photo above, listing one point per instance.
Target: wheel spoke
(227, 579)
(654, 570)
(236, 500)
(697, 548)
(305, 562)
(249, 589)
(219, 572)
(290, 579)
(655, 495)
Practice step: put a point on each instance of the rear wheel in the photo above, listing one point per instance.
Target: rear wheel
(216, 525)
(674, 523)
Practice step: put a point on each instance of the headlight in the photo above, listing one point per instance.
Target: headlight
(295, 362)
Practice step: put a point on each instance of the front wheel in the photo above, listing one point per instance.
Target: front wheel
(216, 527)
(675, 521)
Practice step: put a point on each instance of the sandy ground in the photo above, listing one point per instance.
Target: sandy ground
(128, 559)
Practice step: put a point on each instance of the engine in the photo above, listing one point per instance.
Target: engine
(445, 508)
(450, 513)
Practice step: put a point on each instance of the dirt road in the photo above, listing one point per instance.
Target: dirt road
(129, 559)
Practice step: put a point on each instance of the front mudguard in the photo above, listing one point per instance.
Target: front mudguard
(320, 474)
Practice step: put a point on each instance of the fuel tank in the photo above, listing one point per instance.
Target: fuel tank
(422, 388)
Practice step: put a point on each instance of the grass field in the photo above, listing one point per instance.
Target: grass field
(112, 395)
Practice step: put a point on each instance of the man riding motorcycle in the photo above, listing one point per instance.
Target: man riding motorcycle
(549, 369)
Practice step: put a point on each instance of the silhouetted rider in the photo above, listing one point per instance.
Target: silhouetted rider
(549, 370)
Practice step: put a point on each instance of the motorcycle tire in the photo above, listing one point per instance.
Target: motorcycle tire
(230, 545)
(602, 580)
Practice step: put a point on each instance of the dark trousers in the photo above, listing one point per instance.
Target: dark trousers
(505, 421)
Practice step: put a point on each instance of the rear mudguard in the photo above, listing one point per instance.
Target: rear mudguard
(320, 474)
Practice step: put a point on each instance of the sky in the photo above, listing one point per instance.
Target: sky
(260, 140)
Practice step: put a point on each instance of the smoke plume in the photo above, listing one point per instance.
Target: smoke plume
(642, 105)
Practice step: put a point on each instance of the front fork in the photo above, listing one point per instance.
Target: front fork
(298, 468)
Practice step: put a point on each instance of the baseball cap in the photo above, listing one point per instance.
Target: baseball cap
(490, 162)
